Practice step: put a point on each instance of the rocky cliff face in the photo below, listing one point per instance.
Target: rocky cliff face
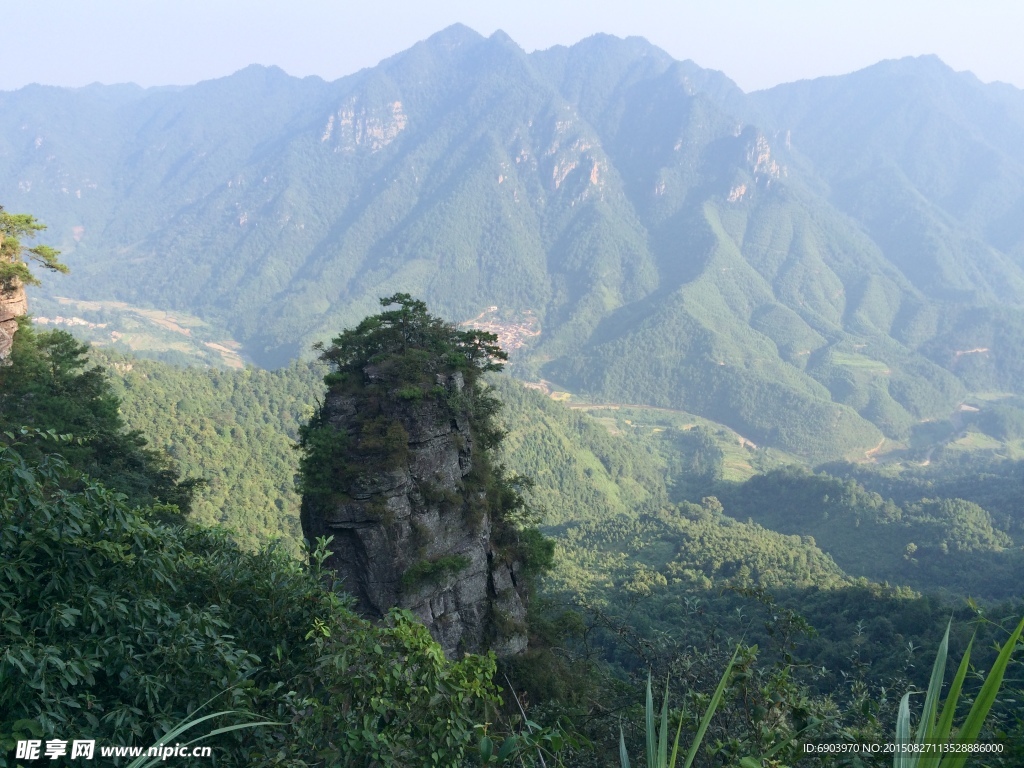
(410, 518)
(13, 304)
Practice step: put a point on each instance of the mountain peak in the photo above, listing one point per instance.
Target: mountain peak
(927, 64)
(502, 37)
(453, 37)
(257, 73)
(633, 46)
(271, 70)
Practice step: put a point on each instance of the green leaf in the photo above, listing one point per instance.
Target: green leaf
(651, 738)
(716, 699)
(663, 731)
(28, 725)
(486, 749)
(986, 697)
(901, 758)
(945, 725)
(926, 728)
(507, 748)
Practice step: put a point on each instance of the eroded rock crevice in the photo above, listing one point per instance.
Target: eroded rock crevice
(418, 534)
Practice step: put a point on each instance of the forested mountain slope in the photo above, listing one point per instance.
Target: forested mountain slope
(930, 165)
(607, 495)
(234, 430)
(643, 571)
(817, 266)
(643, 584)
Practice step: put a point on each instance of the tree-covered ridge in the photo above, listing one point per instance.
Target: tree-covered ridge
(689, 546)
(579, 470)
(926, 542)
(51, 385)
(811, 277)
(234, 430)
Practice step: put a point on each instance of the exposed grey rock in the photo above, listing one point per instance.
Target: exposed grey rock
(419, 512)
(13, 304)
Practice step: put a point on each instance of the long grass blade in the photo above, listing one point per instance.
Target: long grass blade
(926, 728)
(675, 744)
(663, 731)
(651, 738)
(712, 706)
(945, 727)
(230, 728)
(526, 720)
(986, 697)
(901, 758)
(146, 761)
(623, 754)
(187, 725)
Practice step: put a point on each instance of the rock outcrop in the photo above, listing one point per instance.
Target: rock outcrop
(14, 274)
(409, 513)
(13, 304)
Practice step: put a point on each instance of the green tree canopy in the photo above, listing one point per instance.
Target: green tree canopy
(15, 227)
(118, 626)
(51, 387)
(411, 327)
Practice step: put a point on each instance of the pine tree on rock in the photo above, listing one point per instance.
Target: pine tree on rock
(396, 468)
(15, 273)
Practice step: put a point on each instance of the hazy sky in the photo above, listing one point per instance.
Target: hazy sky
(758, 43)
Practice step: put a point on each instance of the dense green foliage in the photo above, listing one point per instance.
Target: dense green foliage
(648, 581)
(993, 482)
(118, 626)
(928, 543)
(236, 430)
(51, 386)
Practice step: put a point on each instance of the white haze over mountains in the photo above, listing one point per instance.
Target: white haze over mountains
(758, 44)
(816, 265)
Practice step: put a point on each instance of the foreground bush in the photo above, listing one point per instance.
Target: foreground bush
(115, 627)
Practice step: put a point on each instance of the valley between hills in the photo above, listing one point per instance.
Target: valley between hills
(762, 402)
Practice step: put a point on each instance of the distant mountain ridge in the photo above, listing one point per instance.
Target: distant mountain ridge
(815, 265)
